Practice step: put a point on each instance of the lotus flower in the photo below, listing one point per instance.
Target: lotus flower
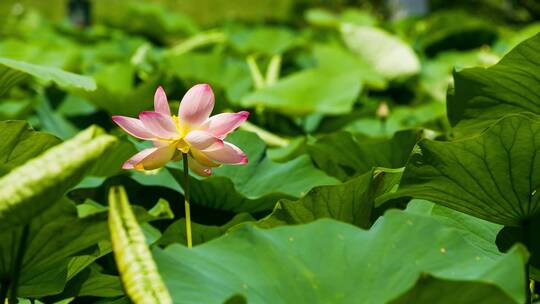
(192, 132)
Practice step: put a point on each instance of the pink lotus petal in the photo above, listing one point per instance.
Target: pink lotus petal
(135, 159)
(203, 140)
(196, 105)
(133, 127)
(160, 125)
(222, 124)
(228, 154)
(161, 105)
(160, 143)
(198, 168)
(201, 158)
(157, 159)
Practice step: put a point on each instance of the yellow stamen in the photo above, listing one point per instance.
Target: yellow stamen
(182, 128)
(182, 145)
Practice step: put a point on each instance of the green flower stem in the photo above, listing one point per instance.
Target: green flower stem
(186, 200)
(17, 265)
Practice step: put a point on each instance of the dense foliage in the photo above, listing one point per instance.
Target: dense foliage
(391, 160)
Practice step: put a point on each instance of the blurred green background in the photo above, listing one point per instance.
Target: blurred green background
(303, 67)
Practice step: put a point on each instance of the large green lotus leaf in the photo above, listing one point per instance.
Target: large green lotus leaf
(482, 96)
(118, 49)
(429, 289)
(51, 49)
(321, 17)
(479, 233)
(61, 243)
(14, 108)
(85, 258)
(80, 282)
(160, 211)
(50, 247)
(134, 17)
(32, 187)
(509, 236)
(339, 60)
(350, 202)
(331, 262)
(176, 232)
(13, 71)
(218, 13)
(91, 282)
(510, 40)
(325, 18)
(51, 121)
(345, 155)
(358, 16)
(262, 39)
(493, 176)
(21, 143)
(204, 67)
(400, 118)
(74, 106)
(387, 54)
(110, 164)
(436, 74)
(117, 92)
(121, 300)
(258, 185)
(454, 30)
(330, 88)
(162, 178)
(228, 73)
(309, 91)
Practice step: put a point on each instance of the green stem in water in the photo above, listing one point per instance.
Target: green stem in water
(17, 265)
(186, 200)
